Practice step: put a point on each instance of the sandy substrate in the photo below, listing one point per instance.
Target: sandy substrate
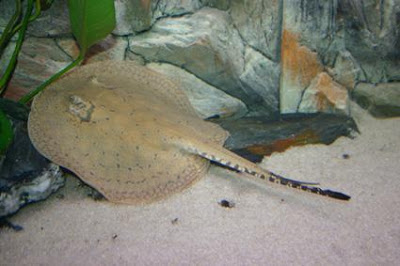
(269, 225)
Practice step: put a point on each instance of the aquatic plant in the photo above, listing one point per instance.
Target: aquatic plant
(91, 21)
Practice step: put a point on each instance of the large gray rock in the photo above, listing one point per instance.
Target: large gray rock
(315, 22)
(353, 40)
(135, 16)
(372, 36)
(259, 24)
(207, 100)
(51, 22)
(206, 45)
(346, 71)
(39, 59)
(381, 100)
(132, 16)
(300, 66)
(260, 78)
(308, 38)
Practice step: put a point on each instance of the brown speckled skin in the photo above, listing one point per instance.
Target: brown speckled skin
(131, 134)
(117, 126)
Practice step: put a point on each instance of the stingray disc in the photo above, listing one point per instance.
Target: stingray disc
(116, 125)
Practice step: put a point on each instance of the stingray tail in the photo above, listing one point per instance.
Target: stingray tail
(306, 187)
(235, 162)
(259, 173)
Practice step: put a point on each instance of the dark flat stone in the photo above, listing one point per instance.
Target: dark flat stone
(255, 137)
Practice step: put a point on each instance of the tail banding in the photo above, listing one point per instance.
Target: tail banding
(235, 162)
(310, 187)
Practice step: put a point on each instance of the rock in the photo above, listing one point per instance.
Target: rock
(256, 137)
(134, 16)
(164, 8)
(32, 189)
(308, 32)
(381, 100)
(326, 96)
(206, 45)
(25, 175)
(300, 66)
(260, 79)
(355, 40)
(259, 24)
(220, 4)
(207, 100)
(6, 56)
(39, 59)
(314, 23)
(346, 71)
(110, 48)
(15, 110)
(7, 8)
(53, 22)
(235, 46)
(373, 38)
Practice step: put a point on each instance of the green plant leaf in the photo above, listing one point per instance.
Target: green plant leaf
(13, 61)
(6, 132)
(29, 96)
(91, 21)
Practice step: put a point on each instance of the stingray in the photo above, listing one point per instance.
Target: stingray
(132, 134)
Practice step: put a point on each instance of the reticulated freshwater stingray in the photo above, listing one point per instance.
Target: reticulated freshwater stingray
(132, 134)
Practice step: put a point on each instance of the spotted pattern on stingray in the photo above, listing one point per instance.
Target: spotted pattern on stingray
(132, 134)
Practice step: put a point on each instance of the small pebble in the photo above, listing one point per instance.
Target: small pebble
(226, 203)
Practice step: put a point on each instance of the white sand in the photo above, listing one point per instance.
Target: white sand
(270, 225)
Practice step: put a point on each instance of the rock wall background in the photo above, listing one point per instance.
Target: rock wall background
(240, 57)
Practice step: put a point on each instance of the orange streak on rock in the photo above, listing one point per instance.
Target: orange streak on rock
(306, 137)
(299, 64)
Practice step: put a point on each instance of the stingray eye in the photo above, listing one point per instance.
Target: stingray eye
(80, 108)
